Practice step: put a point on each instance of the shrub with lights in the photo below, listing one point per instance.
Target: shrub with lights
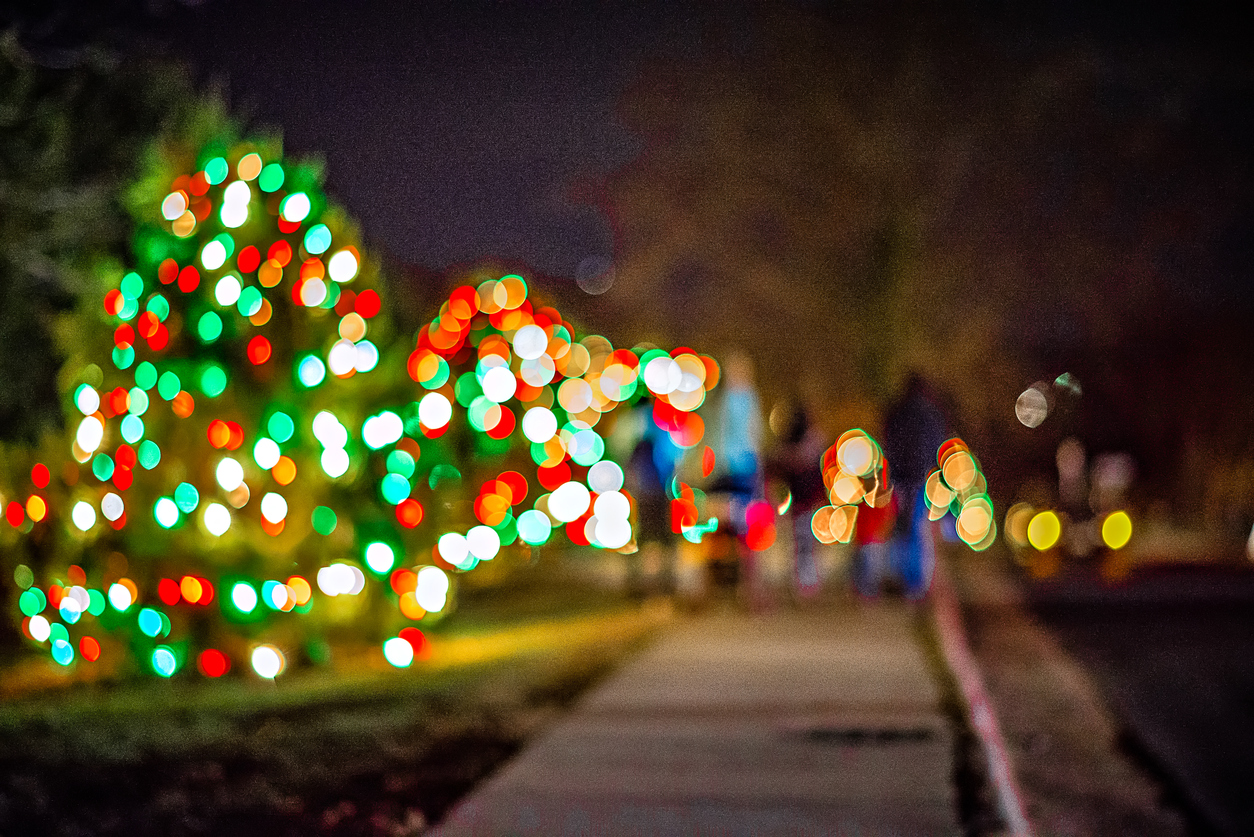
(258, 462)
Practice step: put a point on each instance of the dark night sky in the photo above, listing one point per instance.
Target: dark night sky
(451, 130)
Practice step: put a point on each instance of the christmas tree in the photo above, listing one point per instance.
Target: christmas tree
(256, 453)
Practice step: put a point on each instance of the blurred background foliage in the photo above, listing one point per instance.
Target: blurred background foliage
(71, 140)
(854, 199)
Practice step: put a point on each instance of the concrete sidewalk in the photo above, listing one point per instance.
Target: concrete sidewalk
(819, 723)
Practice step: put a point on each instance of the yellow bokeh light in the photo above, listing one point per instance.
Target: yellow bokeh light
(1117, 530)
(1044, 530)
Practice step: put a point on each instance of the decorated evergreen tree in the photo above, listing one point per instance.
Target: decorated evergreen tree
(257, 452)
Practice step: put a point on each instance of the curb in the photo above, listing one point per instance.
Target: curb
(982, 717)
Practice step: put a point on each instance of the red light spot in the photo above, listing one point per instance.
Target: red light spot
(123, 477)
(113, 302)
(313, 268)
(168, 591)
(15, 514)
(148, 323)
(213, 663)
(39, 475)
(259, 350)
(417, 639)
(272, 529)
(505, 426)
(759, 538)
(199, 183)
(119, 400)
(237, 435)
(125, 456)
(552, 477)
(707, 461)
(189, 279)
(89, 648)
(367, 304)
(690, 432)
(168, 272)
(287, 227)
(159, 340)
(403, 581)
(124, 336)
(219, 434)
(574, 530)
(517, 486)
(344, 305)
(206, 591)
(281, 252)
(248, 259)
(683, 515)
(121, 521)
(409, 513)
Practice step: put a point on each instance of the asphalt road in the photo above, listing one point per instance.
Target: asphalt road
(1173, 650)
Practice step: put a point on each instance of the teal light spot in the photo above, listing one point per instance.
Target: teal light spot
(102, 467)
(186, 497)
(333, 296)
(281, 427)
(311, 371)
(164, 662)
(62, 652)
(400, 462)
(213, 381)
(443, 473)
(169, 385)
(587, 447)
(137, 401)
(534, 527)
(132, 429)
(150, 622)
(249, 301)
(478, 411)
(132, 285)
(58, 631)
(32, 602)
(130, 307)
(395, 488)
(538, 454)
(209, 328)
(318, 239)
(123, 357)
(227, 243)
(149, 455)
(324, 520)
(467, 389)
(440, 378)
(160, 306)
(216, 170)
(271, 178)
(145, 375)
(95, 602)
(69, 611)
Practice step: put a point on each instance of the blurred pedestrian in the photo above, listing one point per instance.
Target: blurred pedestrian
(649, 472)
(914, 429)
(797, 462)
(739, 460)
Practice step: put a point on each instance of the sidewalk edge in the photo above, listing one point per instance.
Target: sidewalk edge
(980, 711)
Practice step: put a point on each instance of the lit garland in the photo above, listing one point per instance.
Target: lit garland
(856, 474)
(254, 434)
